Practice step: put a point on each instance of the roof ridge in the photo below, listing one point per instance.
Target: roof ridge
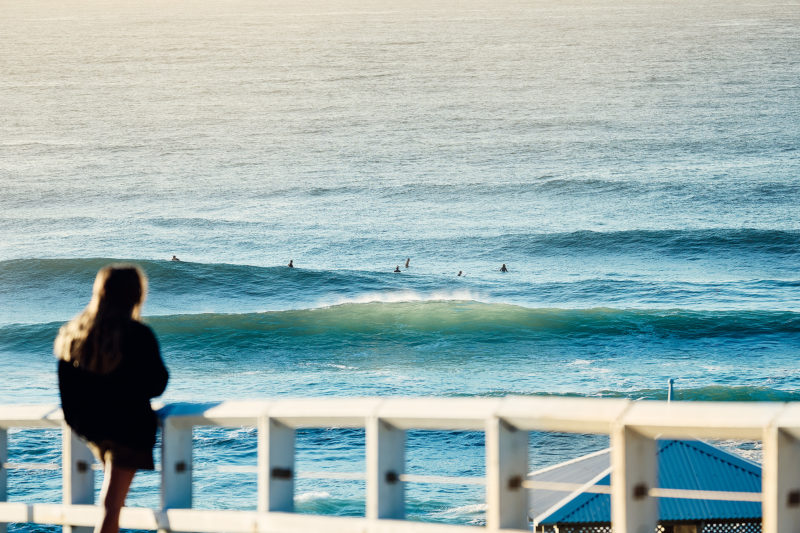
(723, 456)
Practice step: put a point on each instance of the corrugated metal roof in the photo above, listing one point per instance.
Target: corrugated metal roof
(681, 465)
(584, 470)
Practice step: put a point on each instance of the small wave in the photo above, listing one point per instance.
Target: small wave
(181, 285)
(47, 143)
(587, 186)
(712, 393)
(312, 496)
(339, 367)
(674, 242)
(462, 511)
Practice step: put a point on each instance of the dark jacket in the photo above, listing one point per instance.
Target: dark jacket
(116, 406)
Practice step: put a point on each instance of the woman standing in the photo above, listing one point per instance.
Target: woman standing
(109, 368)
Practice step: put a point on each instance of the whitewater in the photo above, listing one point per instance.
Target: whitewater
(634, 165)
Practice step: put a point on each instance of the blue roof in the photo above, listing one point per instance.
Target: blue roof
(681, 465)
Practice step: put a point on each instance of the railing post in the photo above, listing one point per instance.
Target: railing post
(780, 482)
(77, 476)
(506, 468)
(386, 457)
(634, 471)
(176, 465)
(3, 474)
(276, 444)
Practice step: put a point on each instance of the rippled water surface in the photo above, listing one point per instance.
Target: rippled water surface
(635, 164)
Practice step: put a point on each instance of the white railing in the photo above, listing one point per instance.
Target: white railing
(633, 427)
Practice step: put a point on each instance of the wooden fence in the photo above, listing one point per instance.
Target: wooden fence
(506, 422)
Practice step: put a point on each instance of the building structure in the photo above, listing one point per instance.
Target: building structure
(682, 464)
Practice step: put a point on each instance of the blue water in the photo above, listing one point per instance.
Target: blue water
(636, 166)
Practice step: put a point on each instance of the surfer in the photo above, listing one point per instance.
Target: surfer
(503, 268)
(291, 263)
(459, 273)
(407, 261)
(174, 258)
(397, 268)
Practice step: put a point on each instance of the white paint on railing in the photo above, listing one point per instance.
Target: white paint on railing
(176, 464)
(386, 455)
(634, 470)
(506, 468)
(76, 473)
(3, 472)
(633, 427)
(779, 476)
(276, 444)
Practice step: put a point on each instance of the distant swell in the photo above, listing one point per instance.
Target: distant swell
(715, 393)
(754, 245)
(674, 242)
(711, 393)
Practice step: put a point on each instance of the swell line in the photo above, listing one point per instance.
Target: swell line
(466, 318)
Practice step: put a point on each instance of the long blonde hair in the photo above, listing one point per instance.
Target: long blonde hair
(92, 340)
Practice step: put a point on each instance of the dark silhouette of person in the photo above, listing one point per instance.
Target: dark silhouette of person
(291, 263)
(397, 268)
(459, 273)
(407, 261)
(503, 268)
(174, 258)
(108, 370)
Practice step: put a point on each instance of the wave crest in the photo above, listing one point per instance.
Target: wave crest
(488, 321)
(472, 317)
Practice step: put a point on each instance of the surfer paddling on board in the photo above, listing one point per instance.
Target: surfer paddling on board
(174, 258)
(503, 268)
(291, 263)
(397, 269)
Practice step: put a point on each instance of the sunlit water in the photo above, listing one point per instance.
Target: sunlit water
(636, 166)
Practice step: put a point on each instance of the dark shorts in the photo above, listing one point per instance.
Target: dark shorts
(122, 456)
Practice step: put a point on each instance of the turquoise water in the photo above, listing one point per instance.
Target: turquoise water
(634, 164)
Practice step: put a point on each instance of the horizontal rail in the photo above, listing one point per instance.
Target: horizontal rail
(31, 466)
(344, 476)
(442, 480)
(42, 466)
(684, 494)
(361, 476)
(741, 420)
(558, 486)
(230, 521)
(691, 494)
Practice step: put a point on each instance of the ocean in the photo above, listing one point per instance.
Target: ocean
(636, 165)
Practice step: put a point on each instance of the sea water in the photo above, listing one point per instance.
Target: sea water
(636, 165)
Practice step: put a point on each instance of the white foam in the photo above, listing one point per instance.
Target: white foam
(465, 511)
(340, 367)
(456, 512)
(409, 296)
(311, 496)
